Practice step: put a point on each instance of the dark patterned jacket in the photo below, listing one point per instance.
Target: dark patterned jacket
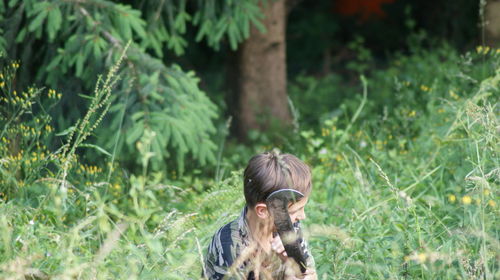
(228, 255)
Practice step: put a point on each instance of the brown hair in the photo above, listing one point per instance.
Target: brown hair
(271, 171)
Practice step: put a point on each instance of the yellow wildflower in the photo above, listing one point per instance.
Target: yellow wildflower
(492, 203)
(454, 95)
(422, 257)
(486, 192)
(466, 200)
(452, 198)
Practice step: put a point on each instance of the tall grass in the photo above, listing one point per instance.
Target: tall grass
(426, 211)
(410, 193)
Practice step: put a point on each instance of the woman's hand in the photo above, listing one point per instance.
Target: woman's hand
(279, 249)
(310, 274)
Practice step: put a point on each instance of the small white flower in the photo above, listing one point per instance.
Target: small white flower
(402, 194)
(363, 144)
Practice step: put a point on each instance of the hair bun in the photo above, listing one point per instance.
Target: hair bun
(275, 153)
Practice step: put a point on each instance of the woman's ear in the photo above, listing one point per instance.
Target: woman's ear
(261, 210)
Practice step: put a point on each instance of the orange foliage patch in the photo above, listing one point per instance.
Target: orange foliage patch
(365, 9)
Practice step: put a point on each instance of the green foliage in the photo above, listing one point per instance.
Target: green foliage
(175, 122)
(427, 211)
(3, 43)
(404, 187)
(409, 83)
(25, 135)
(214, 21)
(81, 38)
(231, 18)
(415, 189)
(81, 211)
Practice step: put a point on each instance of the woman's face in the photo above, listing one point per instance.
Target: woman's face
(296, 210)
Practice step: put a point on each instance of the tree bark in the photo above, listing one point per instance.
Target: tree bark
(262, 73)
(492, 17)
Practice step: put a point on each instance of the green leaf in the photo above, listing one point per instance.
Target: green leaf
(55, 62)
(84, 145)
(123, 25)
(220, 29)
(135, 133)
(178, 139)
(258, 24)
(233, 36)
(79, 64)
(180, 22)
(21, 35)
(98, 44)
(203, 30)
(173, 82)
(12, 3)
(66, 131)
(138, 27)
(86, 96)
(138, 115)
(54, 21)
(38, 21)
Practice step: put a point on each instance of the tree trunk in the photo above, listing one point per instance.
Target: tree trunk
(492, 17)
(262, 73)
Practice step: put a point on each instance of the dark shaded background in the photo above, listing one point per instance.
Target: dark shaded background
(321, 35)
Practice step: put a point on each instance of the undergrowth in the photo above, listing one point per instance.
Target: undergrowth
(403, 189)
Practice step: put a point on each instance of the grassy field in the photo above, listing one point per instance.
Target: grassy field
(406, 182)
